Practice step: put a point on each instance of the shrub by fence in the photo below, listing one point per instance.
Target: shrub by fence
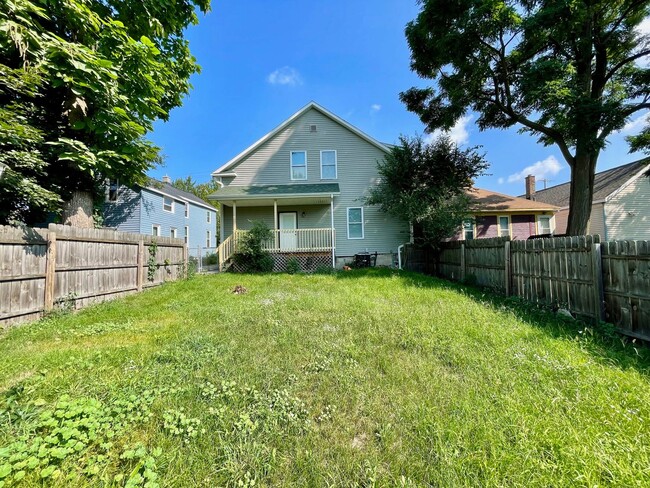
(43, 268)
(596, 281)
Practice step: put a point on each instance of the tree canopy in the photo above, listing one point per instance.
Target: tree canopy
(201, 190)
(81, 83)
(570, 72)
(427, 185)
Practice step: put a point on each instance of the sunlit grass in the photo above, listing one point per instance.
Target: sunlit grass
(361, 378)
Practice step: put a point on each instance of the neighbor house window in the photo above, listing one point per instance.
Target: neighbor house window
(172, 232)
(209, 216)
(468, 230)
(187, 210)
(355, 223)
(208, 241)
(298, 165)
(112, 190)
(187, 235)
(328, 165)
(504, 225)
(168, 204)
(544, 224)
(155, 230)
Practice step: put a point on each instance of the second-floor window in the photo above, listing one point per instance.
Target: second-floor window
(328, 165)
(187, 234)
(298, 165)
(187, 210)
(168, 204)
(155, 230)
(209, 216)
(208, 240)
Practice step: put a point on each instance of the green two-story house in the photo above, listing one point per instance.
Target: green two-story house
(307, 179)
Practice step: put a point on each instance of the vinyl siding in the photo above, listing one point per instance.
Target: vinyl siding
(316, 216)
(627, 214)
(357, 171)
(124, 214)
(153, 214)
(597, 220)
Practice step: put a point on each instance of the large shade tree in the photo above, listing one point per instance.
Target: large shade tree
(570, 72)
(81, 83)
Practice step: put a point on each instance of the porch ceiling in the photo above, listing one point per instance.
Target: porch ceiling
(262, 195)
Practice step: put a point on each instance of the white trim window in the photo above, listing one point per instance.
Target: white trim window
(187, 210)
(187, 234)
(328, 166)
(503, 225)
(155, 230)
(544, 225)
(112, 190)
(208, 239)
(173, 232)
(208, 217)
(168, 204)
(468, 230)
(355, 223)
(298, 165)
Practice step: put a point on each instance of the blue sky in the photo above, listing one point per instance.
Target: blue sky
(262, 61)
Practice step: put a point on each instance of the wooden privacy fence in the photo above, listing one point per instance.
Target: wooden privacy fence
(596, 281)
(43, 268)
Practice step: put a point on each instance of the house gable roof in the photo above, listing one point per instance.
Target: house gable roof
(311, 105)
(170, 191)
(605, 183)
(486, 201)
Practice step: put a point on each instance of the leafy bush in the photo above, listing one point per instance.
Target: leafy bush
(293, 266)
(250, 256)
(211, 259)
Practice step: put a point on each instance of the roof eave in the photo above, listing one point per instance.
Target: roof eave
(266, 197)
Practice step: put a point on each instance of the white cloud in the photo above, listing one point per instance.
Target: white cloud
(458, 133)
(637, 124)
(285, 76)
(541, 169)
(501, 181)
(374, 108)
(644, 27)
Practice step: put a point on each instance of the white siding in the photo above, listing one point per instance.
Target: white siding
(627, 214)
(597, 220)
(357, 170)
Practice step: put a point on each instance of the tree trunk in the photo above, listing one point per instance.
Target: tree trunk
(582, 192)
(78, 211)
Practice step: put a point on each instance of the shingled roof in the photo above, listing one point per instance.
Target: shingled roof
(486, 201)
(605, 183)
(169, 190)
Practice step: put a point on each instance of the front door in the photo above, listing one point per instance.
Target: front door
(288, 225)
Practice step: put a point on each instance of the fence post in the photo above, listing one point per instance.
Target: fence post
(506, 250)
(140, 272)
(50, 271)
(462, 261)
(597, 270)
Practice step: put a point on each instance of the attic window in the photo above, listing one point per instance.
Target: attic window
(312, 128)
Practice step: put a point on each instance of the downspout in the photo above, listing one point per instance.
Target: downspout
(332, 234)
(399, 256)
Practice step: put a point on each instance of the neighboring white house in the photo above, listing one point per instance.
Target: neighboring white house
(621, 205)
(307, 179)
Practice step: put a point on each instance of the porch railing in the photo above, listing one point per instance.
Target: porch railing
(283, 240)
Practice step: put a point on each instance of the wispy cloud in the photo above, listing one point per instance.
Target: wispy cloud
(458, 133)
(644, 27)
(636, 124)
(541, 169)
(374, 108)
(285, 76)
(501, 181)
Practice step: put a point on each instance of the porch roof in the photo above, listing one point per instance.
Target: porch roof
(266, 192)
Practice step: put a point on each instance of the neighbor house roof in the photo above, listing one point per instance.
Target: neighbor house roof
(266, 191)
(168, 190)
(605, 183)
(486, 201)
(311, 105)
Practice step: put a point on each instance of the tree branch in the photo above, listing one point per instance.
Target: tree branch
(627, 60)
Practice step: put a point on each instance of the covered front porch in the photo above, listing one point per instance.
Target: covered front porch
(301, 219)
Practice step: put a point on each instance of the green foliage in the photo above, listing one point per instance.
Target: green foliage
(250, 255)
(293, 266)
(427, 184)
(567, 72)
(201, 190)
(152, 262)
(81, 83)
(211, 259)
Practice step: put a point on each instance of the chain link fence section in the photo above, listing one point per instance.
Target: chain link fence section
(204, 259)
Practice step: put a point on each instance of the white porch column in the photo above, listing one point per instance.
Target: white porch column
(234, 217)
(221, 221)
(275, 223)
(332, 233)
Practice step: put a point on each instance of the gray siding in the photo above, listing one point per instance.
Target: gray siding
(627, 214)
(124, 214)
(356, 167)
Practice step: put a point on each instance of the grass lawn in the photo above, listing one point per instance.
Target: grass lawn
(366, 378)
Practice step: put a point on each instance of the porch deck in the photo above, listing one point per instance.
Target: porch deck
(285, 242)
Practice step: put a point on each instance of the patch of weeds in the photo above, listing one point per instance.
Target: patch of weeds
(319, 366)
(100, 328)
(293, 266)
(177, 423)
(326, 414)
(145, 472)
